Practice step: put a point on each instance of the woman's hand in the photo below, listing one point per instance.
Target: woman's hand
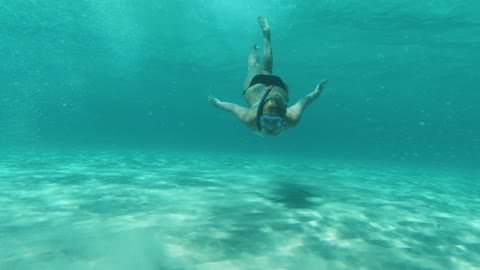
(214, 101)
(321, 85)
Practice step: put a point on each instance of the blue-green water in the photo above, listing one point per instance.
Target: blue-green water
(111, 156)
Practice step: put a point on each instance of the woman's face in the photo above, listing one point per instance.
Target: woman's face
(271, 108)
(272, 121)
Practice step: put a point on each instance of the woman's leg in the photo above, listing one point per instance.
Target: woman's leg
(254, 67)
(267, 45)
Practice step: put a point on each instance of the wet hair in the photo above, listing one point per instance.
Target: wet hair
(275, 104)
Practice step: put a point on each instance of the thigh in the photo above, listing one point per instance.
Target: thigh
(252, 71)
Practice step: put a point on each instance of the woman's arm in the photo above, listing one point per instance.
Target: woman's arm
(294, 113)
(239, 111)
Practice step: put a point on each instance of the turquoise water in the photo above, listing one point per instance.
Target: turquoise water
(111, 156)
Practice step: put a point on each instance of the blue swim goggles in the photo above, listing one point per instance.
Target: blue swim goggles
(271, 122)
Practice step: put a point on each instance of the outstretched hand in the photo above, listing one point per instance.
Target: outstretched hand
(214, 101)
(321, 85)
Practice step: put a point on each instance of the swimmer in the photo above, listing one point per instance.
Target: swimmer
(266, 94)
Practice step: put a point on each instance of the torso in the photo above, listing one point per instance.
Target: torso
(254, 94)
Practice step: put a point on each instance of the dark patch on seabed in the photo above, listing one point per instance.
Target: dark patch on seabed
(293, 195)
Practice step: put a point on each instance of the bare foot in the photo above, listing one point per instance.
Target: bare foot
(262, 21)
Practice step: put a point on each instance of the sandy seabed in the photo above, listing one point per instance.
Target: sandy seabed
(199, 211)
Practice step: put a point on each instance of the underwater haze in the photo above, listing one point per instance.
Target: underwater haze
(403, 77)
(111, 156)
